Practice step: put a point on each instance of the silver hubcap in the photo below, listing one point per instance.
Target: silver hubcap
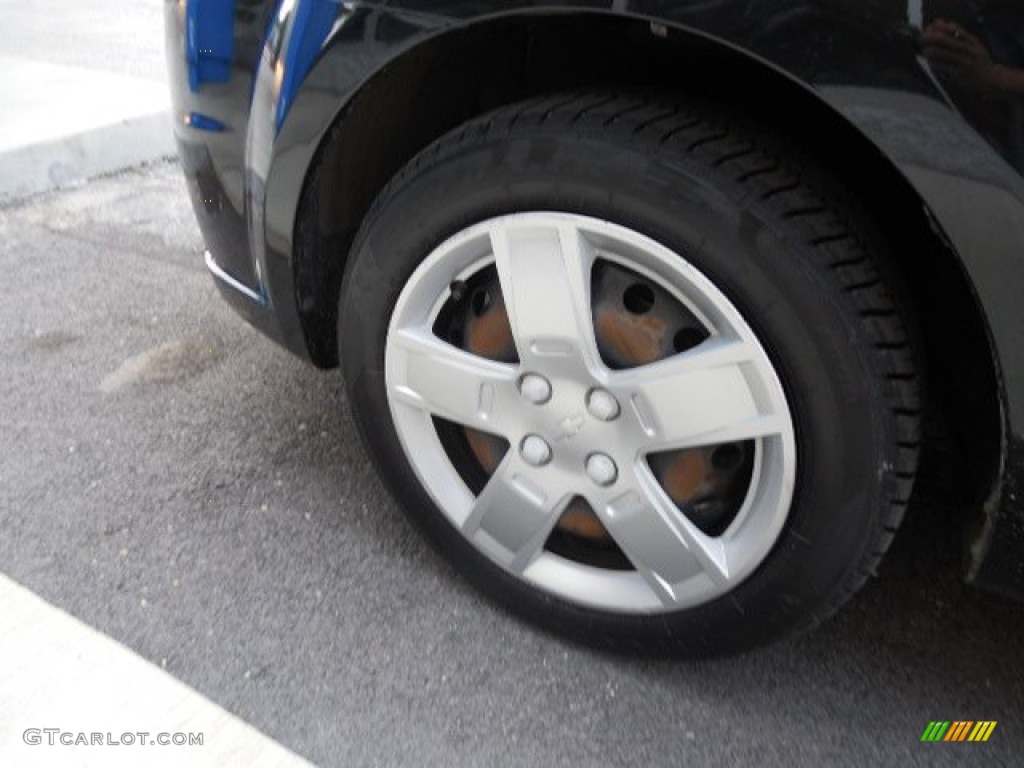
(581, 428)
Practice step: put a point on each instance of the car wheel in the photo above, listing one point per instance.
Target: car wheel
(633, 367)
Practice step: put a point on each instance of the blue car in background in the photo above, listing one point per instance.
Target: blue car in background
(641, 305)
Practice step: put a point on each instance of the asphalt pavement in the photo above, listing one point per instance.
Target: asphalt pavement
(182, 485)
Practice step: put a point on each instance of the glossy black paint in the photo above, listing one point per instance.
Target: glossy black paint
(997, 562)
(957, 150)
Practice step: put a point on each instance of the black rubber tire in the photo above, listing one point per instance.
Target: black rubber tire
(774, 233)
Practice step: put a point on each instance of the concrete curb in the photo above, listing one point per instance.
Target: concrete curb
(65, 124)
(68, 160)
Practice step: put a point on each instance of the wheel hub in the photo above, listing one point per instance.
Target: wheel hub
(635, 323)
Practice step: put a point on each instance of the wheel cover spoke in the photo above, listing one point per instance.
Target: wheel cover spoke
(709, 395)
(662, 544)
(441, 379)
(513, 515)
(545, 277)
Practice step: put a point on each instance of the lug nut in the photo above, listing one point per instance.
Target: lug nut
(535, 450)
(601, 469)
(535, 388)
(602, 405)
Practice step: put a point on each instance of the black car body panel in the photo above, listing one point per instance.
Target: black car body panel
(253, 109)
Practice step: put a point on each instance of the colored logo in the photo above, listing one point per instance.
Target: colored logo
(958, 730)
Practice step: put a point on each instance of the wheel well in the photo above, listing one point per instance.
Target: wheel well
(465, 72)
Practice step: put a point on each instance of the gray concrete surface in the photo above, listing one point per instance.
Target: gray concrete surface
(84, 91)
(116, 36)
(178, 482)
